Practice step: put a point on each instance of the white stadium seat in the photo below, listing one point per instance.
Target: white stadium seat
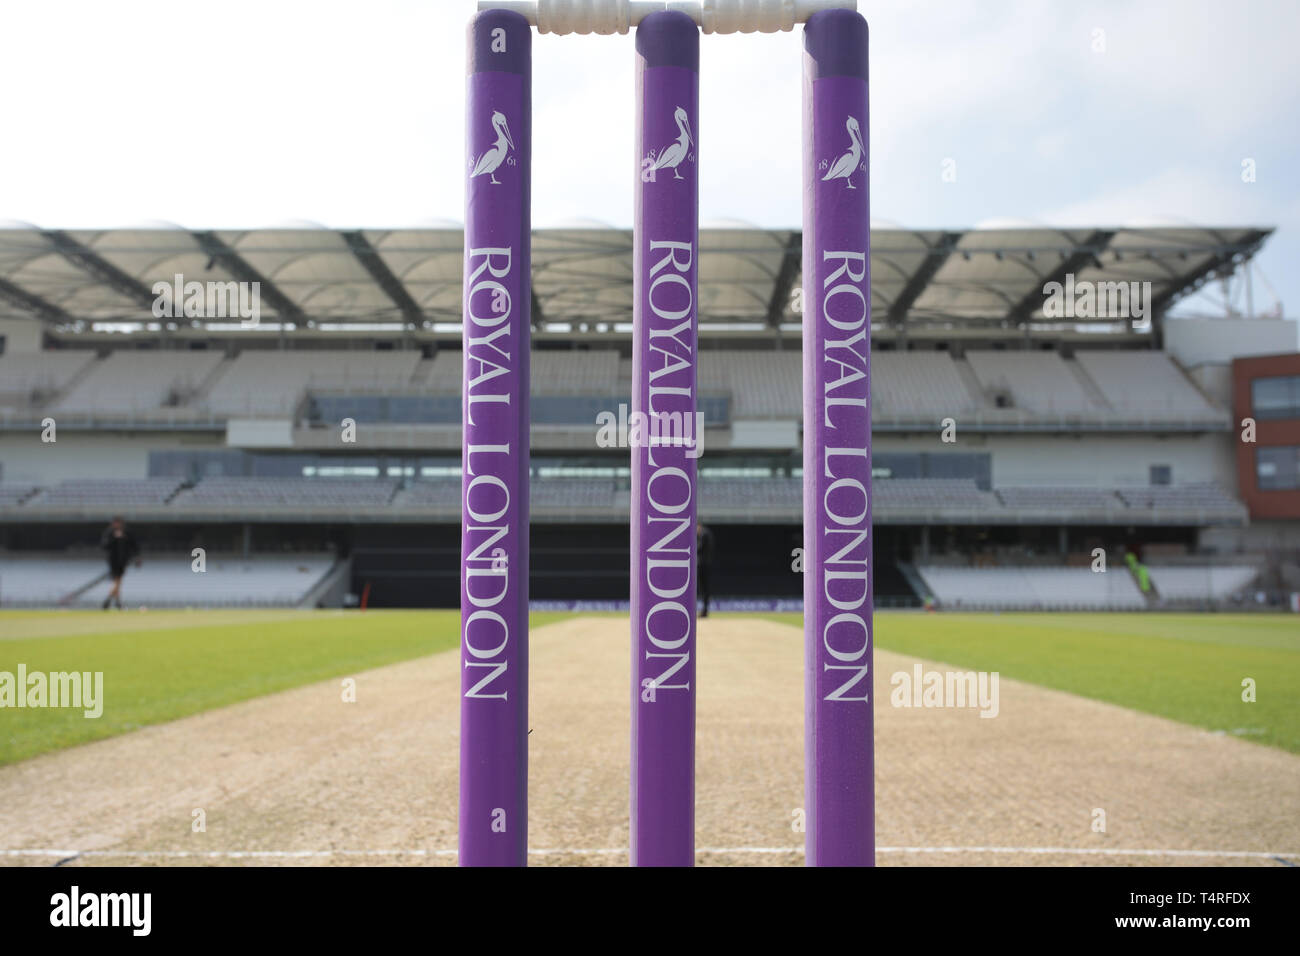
(139, 381)
(261, 384)
(1045, 588)
(162, 580)
(1037, 381)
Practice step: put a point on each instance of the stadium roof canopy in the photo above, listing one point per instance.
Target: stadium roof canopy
(411, 278)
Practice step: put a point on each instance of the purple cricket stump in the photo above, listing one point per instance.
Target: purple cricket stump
(663, 432)
(838, 597)
(494, 450)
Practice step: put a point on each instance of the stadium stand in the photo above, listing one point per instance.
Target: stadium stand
(912, 385)
(105, 495)
(273, 383)
(1190, 497)
(1060, 424)
(163, 580)
(906, 387)
(931, 494)
(761, 384)
(1035, 588)
(441, 375)
(41, 580)
(12, 495)
(134, 382)
(1145, 383)
(891, 497)
(258, 494)
(170, 581)
(1187, 583)
(1058, 498)
(592, 373)
(441, 495)
(603, 498)
(1038, 381)
(573, 494)
(34, 379)
(594, 497)
(749, 496)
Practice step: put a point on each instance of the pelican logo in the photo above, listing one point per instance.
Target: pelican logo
(499, 152)
(849, 163)
(672, 155)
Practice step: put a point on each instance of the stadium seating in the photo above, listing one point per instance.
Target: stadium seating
(273, 383)
(931, 494)
(908, 387)
(735, 497)
(1045, 588)
(442, 375)
(37, 378)
(12, 495)
(42, 580)
(761, 384)
(1183, 583)
(1058, 498)
(574, 494)
(304, 494)
(163, 580)
(751, 496)
(1191, 497)
(1146, 384)
(911, 385)
(1037, 381)
(106, 495)
(133, 382)
(170, 581)
(593, 496)
(783, 496)
(592, 373)
(439, 495)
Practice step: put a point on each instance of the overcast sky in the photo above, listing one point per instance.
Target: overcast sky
(255, 113)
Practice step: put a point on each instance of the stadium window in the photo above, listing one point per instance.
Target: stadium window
(1275, 397)
(341, 471)
(440, 471)
(745, 471)
(1277, 468)
(1162, 474)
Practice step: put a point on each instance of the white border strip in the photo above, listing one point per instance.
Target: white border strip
(576, 851)
(617, 16)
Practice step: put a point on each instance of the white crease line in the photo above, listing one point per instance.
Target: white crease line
(575, 851)
(1079, 851)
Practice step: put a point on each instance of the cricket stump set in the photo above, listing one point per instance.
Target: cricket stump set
(838, 599)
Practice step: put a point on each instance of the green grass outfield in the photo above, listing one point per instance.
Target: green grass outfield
(162, 665)
(1187, 667)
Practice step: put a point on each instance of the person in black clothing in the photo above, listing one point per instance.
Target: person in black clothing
(120, 547)
(703, 561)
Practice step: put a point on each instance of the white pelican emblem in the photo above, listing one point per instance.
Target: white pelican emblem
(670, 156)
(494, 157)
(848, 164)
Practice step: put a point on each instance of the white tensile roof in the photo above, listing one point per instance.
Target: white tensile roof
(747, 275)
